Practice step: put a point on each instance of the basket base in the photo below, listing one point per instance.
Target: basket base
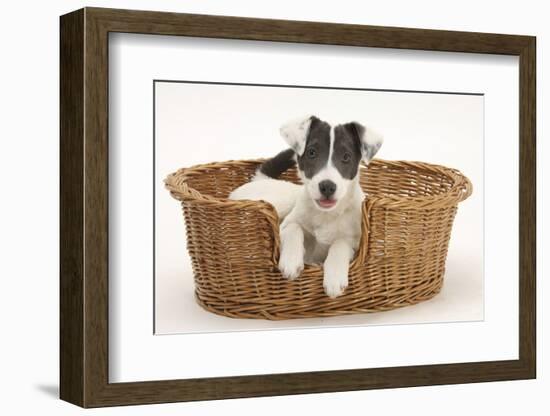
(330, 308)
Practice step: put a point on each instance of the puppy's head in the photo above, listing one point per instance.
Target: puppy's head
(329, 156)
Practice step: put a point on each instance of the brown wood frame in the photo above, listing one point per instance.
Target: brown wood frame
(84, 208)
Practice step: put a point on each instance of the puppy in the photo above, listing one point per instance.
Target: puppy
(321, 218)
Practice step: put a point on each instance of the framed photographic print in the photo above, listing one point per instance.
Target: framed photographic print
(255, 207)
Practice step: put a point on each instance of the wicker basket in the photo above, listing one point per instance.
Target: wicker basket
(234, 245)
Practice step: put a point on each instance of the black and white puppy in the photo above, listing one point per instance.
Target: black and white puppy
(321, 219)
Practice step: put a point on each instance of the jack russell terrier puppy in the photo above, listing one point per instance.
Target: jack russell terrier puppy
(321, 219)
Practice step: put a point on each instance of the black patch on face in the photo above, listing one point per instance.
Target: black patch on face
(346, 155)
(317, 148)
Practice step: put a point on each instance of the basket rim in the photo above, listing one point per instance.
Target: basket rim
(176, 183)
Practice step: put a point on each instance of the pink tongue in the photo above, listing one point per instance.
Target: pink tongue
(327, 203)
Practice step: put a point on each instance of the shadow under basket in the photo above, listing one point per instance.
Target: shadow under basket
(407, 218)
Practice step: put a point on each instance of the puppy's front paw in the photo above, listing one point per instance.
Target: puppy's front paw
(291, 265)
(335, 282)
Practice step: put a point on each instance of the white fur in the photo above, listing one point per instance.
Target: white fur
(295, 133)
(331, 236)
(280, 194)
(335, 278)
(372, 140)
(291, 262)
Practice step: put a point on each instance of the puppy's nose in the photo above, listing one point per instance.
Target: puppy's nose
(327, 188)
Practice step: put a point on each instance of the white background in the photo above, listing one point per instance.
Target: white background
(201, 123)
(29, 220)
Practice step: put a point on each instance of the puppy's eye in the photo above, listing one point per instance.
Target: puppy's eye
(311, 153)
(346, 158)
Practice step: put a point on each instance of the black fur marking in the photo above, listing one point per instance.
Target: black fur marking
(275, 166)
(317, 148)
(346, 154)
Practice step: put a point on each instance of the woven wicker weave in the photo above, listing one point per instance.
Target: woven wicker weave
(234, 245)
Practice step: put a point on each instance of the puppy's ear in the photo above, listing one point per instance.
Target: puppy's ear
(295, 133)
(369, 139)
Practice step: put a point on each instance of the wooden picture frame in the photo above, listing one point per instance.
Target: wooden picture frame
(84, 207)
